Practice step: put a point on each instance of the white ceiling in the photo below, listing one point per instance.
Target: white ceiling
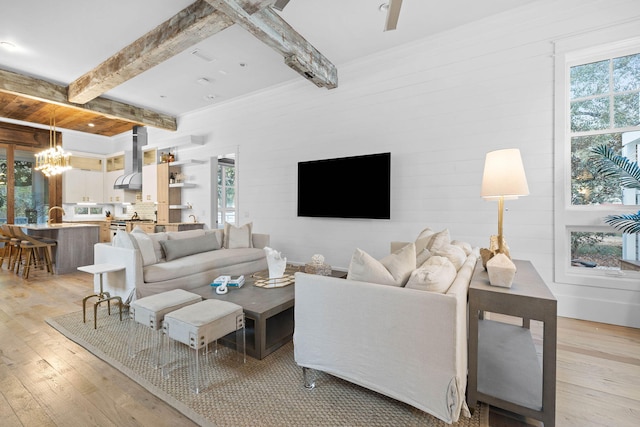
(60, 41)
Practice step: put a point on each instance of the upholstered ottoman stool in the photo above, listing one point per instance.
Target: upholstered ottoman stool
(199, 324)
(150, 312)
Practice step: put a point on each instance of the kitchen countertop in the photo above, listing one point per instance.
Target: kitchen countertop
(57, 226)
(178, 223)
(85, 221)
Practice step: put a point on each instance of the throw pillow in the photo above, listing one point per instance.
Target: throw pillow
(439, 240)
(393, 270)
(219, 233)
(423, 239)
(123, 240)
(422, 257)
(436, 275)
(145, 244)
(453, 253)
(187, 234)
(466, 247)
(179, 248)
(156, 238)
(237, 237)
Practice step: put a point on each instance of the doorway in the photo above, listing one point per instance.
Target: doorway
(226, 191)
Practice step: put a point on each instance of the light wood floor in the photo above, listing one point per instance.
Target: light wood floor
(47, 380)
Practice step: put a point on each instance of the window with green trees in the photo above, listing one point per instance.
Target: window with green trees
(604, 109)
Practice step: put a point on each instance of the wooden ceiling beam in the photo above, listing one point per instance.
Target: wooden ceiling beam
(271, 29)
(195, 23)
(48, 92)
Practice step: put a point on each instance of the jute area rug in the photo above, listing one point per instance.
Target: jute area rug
(266, 392)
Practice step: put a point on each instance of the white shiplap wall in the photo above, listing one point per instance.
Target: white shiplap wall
(438, 105)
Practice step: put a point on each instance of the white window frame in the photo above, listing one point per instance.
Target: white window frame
(222, 208)
(570, 218)
(89, 207)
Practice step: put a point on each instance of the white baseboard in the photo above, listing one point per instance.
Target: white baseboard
(612, 312)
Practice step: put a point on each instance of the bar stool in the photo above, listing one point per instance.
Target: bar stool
(31, 246)
(7, 249)
(11, 246)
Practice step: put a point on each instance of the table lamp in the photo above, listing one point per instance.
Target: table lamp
(503, 179)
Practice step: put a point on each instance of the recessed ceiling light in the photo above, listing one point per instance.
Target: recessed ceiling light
(210, 97)
(204, 81)
(8, 46)
(202, 55)
(243, 64)
(91, 125)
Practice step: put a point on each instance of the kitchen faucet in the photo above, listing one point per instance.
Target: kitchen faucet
(135, 216)
(50, 220)
(194, 217)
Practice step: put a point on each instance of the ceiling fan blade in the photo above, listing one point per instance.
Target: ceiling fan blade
(392, 15)
(280, 4)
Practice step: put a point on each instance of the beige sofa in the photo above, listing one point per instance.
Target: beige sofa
(158, 262)
(408, 344)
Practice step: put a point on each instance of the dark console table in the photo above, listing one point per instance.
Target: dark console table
(503, 364)
(268, 315)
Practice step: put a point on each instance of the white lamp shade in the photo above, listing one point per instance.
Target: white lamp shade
(504, 175)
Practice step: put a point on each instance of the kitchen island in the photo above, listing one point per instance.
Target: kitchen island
(179, 226)
(75, 243)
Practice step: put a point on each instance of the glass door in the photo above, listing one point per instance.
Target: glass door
(24, 192)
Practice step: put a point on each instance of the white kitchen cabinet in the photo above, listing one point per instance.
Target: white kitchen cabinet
(110, 193)
(81, 185)
(150, 183)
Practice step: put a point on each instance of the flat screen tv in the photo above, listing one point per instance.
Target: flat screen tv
(346, 187)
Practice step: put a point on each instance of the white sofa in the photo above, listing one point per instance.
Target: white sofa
(196, 258)
(408, 344)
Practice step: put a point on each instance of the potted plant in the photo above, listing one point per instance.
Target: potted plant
(610, 164)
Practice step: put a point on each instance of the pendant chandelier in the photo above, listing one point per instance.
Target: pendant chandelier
(54, 160)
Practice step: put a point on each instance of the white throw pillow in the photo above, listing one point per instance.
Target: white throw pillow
(156, 238)
(453, 253)
(393, 270)
(436, 275)
(439, 240)
(145, 244)
(237, 237)
(423, 256)
(466, 247)
(423, 239)
(123, 240)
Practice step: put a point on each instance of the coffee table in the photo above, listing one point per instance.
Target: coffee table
(269, 314)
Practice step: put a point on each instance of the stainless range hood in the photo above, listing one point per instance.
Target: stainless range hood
(132, 178)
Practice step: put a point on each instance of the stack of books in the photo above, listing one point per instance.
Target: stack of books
(236, 281)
